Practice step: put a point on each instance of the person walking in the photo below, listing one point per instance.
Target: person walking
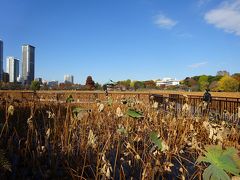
(207, 99)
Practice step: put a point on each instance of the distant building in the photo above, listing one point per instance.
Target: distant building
(68, 79)
(44, 81)
(39, 80)
(1, 60)
(28, 63)
(52, 83)
(167, 82)
(20, 79)
(12, 68)
(5, 77)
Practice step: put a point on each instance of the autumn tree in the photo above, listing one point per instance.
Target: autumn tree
(188, 81)
(213, 86)
(191, 83)
(149, 84)
(228, 83)
(90, 83)
(237, 77)
(203, 82)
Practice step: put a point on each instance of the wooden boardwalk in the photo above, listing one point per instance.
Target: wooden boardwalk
(219, 105)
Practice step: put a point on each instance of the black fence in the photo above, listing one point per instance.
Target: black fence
(220, 107)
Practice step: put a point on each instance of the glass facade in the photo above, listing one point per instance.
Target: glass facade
(28, 63)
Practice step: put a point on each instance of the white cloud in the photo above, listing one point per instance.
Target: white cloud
(197, 65)
(202, 2)
(164, 22)
(226, 17)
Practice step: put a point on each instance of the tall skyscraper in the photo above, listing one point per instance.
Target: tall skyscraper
(68, 79)
(12, 68)
(1, 60)
(28, 63)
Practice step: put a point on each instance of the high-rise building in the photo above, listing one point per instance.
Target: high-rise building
(68, 79)
(1, 60)
(12, 68)
(28, 63)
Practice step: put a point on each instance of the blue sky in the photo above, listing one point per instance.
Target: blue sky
(124, 39)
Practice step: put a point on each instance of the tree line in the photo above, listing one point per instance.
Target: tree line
(223, 81)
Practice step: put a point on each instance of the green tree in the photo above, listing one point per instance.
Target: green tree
(213, 78)
(126, 83)
(98, 86)
(228, 84)
(191, 83)
(35, 85)
(139, 85)
(132, 84)
(203, 82)
(196, 78)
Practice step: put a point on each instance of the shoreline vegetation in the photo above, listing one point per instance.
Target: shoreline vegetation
(118, 137)
(164, 92)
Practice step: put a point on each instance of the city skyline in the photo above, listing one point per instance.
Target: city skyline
(28, 57)
(137, 40)
(13, 68)
(68, 79)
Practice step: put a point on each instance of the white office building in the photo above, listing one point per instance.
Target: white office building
(28, 63)
(68, 79)
(167, 82)
(12, 69)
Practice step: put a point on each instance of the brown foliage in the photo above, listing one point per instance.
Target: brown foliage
(90, 83)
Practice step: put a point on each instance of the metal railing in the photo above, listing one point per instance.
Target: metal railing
(222, 106)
